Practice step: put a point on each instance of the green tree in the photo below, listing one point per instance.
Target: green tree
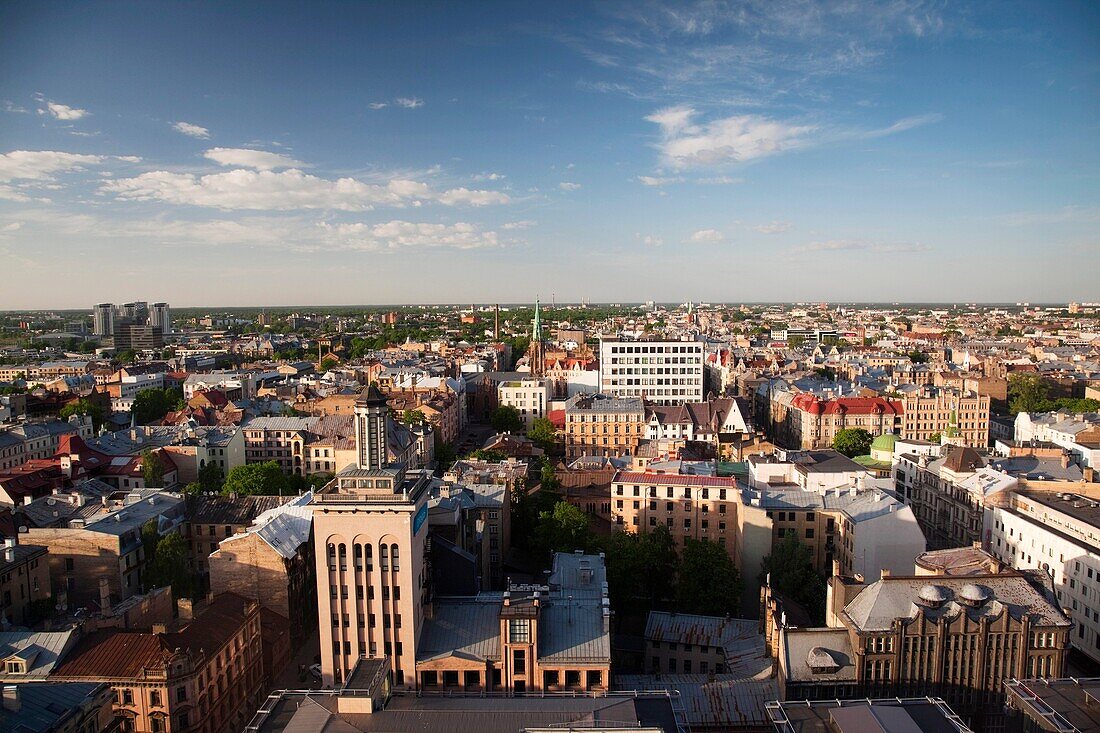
(153, 404)
(413, 417)
(795, 341)
(790, 570)
(193, 489)
(852, 442)
(170, 566)
(256, 479)
(543, 433)
(564, 529)
(445, 455)
(708, 582)
(506, 419)
(152, 470)
(211, 478)
(1027, 392)
(489, 456)
(328, 363)
(128, 356)
(83, 406)
(918, 357)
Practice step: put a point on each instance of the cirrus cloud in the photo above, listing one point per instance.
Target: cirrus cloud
(736, 139)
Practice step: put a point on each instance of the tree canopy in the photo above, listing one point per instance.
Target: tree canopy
(152, 471)
(852, 442)
(153, 404)
(543, 433)
(790, 569)
(256, 479)
(1029, 392)
(83, 406)
(506, 419)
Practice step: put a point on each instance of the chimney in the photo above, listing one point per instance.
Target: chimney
(104, 597)
(11, 698)
(1065, 459)
(1089, 474)
(186, 609)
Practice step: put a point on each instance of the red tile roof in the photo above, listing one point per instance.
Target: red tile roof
(673, 479)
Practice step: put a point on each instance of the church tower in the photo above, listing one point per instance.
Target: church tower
(536, 357)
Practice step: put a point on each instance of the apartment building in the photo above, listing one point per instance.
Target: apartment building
(599, 425)
(697, 421)
(959, 638)
(207, 677)
(806, 421)
(661, 372)
(691, 507)
(955, 413)
(1057, 532)
(814, 470)
(271, 562)
(211, 519)
(864, 531)
(103, 541)
(279, 439)
(24, 582)
(529, 397)
(949, 494)
(305, 445)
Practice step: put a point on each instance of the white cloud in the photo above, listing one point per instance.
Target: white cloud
(649, 240)
(61, 111)
(472, 197)
(728, 140)
(398, 235)
(568, 186)
(378, 105)
(489, 177)
(247, 158)
(10, 106)
(41, 165)
(517, 225)
(191, 130)
(286, 191)
(409, 102)
(706, 236)
(12, 226)
(658, 180)
(774, 227)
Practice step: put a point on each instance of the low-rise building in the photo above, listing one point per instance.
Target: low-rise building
(529, 397)
(691, 507)
(598, 425)
(959, 638)
(208, 676)
(105, 542)
(271, 562)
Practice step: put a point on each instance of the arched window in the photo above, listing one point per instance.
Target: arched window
(370, 557)
(331, 556)
(357, 551)
(384, 556)
(393, 557)
(343, 551)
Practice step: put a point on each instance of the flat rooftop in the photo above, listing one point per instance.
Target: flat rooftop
(916, 715)
(1069, 704)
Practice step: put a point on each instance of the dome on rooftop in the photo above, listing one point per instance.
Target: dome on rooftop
(821, 658)
(933, 595)
(886, 441)
(974, 594)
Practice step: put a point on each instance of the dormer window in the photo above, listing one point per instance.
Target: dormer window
(15, 666)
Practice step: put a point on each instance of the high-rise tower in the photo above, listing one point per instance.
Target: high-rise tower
(369, 529)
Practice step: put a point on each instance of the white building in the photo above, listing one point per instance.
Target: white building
(1058, 533)
(1078, 433)
(130, 385)
(663, 372)
(528, 396)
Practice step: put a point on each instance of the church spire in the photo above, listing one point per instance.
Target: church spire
(536, 325)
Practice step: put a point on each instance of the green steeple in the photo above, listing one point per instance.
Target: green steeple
(536, 325)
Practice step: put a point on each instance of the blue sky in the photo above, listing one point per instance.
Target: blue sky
(315, 153)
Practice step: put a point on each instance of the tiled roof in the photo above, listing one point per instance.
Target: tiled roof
(231, 510)
(667, 479)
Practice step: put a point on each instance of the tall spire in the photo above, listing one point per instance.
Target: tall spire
(536, 325)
